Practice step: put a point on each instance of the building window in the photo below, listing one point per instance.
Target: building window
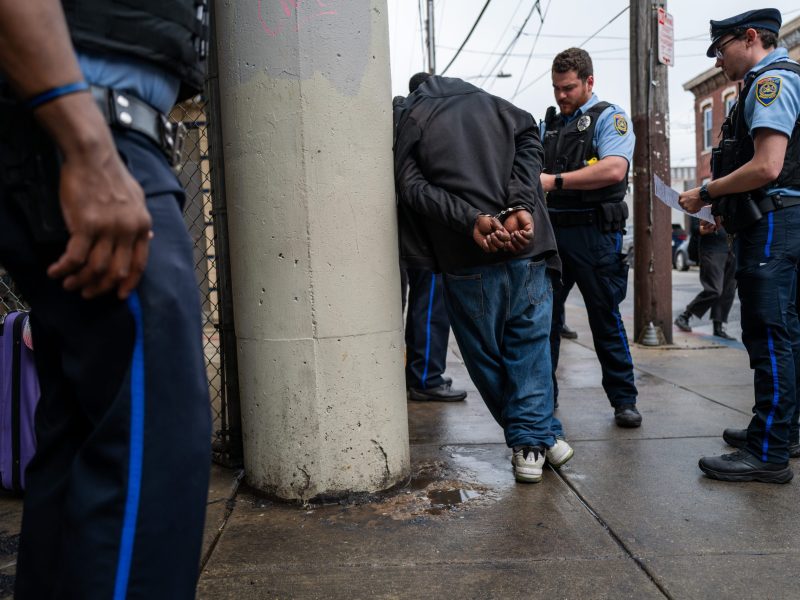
(708, 127)
(729, 101)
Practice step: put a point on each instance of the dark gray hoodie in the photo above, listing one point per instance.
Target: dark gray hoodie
(460, 152)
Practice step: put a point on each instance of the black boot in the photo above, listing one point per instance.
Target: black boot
(743, 466)
(682, 322)
(719, 331)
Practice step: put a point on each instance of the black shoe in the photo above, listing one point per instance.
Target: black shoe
(719, 331)
(682, 322)
(627, 416)
(441, 393)
(738, 439)
(567, 333)
(743, 466)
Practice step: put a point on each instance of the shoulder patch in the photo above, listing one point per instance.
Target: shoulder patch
(620, 124)
(767, 89)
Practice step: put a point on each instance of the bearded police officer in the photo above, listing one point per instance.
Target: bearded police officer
(588, 146)
(92, 233)
(755, 191)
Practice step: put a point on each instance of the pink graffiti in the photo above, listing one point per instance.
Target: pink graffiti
(276, 14)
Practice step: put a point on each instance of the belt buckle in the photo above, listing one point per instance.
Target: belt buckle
(173, 136)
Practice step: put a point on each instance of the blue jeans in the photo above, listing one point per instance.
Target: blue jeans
(500, 315)
(768, 254)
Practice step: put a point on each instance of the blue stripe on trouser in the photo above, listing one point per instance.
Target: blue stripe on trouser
(775, 395)
(771, 229)
(618, 246)
(428, 331)
(624, 339)
(135, 453)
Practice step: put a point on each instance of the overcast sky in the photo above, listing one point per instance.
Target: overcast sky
(565, 24)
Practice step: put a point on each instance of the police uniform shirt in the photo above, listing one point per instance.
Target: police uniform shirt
(613, 135)
(141, 78)
(774, 103)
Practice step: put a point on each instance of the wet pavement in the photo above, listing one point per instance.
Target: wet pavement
(630, 516)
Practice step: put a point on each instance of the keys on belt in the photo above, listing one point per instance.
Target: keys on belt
(122, 110)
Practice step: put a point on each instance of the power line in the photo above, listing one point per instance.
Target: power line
(421, 34)
(536, 39)
(537, 56)
(502, 35)
(466, 39)
(614, 18)
(513, 41)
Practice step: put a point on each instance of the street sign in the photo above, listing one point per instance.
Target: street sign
(666, 38)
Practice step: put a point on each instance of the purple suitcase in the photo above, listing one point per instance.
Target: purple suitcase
(19, 395)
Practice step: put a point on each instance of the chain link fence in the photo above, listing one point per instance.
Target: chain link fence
(204, 209)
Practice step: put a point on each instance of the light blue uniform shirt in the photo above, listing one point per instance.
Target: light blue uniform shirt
(143, 79)
(774, 103)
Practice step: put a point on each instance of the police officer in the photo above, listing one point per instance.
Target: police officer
(92, 233)
(427, 334)
(588, 146)
(756, 192)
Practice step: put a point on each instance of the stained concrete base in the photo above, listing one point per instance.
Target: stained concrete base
(631, 516)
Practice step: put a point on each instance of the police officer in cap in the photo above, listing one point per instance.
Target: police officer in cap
(588, 146)
(92, 233)
(756, 193)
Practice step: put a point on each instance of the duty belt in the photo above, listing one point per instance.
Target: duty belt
(122, 110)
(777, 202)
(572, 218)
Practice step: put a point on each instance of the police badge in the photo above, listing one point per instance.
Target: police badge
(584, 122)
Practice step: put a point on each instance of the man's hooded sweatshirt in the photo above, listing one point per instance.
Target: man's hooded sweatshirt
(461, 152)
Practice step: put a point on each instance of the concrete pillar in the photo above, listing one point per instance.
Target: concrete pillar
(307, 130)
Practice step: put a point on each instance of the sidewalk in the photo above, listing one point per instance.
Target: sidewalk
(631, 516)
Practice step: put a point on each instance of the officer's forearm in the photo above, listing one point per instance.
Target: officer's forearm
(608, 171)
(35, 49)
(762, 169)
(36, 55)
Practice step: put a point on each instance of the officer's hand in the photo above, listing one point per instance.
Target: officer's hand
(690, 200)
(108, 222)
(489, 234)
(519, 225)
(706, 227)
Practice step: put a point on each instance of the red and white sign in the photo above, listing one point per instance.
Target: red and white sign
(666, 38)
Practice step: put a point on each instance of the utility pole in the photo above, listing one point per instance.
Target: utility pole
(652, 278)
(430, 39)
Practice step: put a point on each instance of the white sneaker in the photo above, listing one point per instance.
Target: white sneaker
(559, 453)
(528, 462)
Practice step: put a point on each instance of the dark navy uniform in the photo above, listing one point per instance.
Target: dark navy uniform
(768, 255)
(427, 330)
(116, 493)
(589, 226)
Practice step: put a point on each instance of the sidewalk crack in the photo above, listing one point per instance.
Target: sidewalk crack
(230, 504)
(618, 540)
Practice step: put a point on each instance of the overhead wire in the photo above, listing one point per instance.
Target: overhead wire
(466, 39)
(614, 18)
(533, 47)
(502, 35)
(512, 43)
(421, 33)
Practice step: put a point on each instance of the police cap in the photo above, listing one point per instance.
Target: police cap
(763, 18)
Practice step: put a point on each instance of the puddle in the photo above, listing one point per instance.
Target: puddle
(450, 498)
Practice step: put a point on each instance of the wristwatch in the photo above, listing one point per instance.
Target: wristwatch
(559, 181)
(704, 195)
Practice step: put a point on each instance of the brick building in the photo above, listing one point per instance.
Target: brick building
(714, 95)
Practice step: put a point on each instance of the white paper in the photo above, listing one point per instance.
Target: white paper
(670, 197)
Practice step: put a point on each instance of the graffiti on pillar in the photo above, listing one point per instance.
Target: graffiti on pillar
(276, 16)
